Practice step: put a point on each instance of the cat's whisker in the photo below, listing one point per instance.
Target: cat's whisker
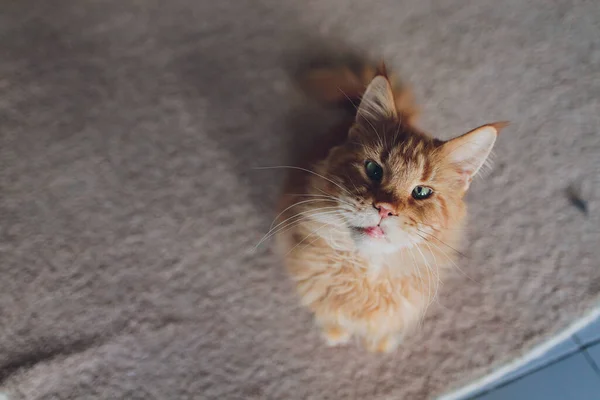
(429, 281)
(278, 228)
(324, 196)
(337, 198)
(351, 181)
(306, 237)
(311, 242)
(304, 213)
(310, 215)
(442, 242)
(451, 261)
(431, 274)
(348, 98)
(439, 280)
(305, 170)
(416, 268)
(434, 259)
(437, 229)
(429, 247)
(295, 205)
(333, 226)
(301, 220)
(317, 197)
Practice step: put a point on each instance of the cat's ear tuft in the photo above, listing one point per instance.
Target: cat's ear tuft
(378, 101)
(467, 153)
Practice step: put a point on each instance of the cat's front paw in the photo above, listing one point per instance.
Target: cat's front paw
(335, 335)
(386, 344)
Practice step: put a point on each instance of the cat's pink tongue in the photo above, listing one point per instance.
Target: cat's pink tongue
(374, 232)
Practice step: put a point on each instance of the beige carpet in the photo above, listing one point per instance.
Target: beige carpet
(129, 208)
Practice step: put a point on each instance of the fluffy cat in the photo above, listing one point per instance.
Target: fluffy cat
(369, 222)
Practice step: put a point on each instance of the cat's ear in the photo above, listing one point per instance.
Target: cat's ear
(378, 101)
(466, 154)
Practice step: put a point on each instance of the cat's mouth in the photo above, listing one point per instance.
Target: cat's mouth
(372, 231)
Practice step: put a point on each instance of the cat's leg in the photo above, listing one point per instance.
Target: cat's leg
(383, 344)
(335, 335)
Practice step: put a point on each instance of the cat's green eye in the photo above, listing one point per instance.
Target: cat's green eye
(374, 170)
(421, 192)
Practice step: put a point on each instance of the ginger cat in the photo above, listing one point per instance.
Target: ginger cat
(368, 224)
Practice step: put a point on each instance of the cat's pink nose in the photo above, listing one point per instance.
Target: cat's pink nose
(385, 209)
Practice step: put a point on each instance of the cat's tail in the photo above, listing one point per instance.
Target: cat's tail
(344, 84)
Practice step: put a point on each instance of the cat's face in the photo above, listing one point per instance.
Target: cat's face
(394, 186)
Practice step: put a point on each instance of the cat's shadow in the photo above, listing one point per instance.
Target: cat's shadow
(258, 124)
(308, 122)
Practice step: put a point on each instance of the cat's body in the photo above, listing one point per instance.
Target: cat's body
(371, 219)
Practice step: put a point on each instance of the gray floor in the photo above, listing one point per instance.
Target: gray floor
(570, 370)
(130, 205)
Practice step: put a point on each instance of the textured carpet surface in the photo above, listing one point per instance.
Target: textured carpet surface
(129, 208)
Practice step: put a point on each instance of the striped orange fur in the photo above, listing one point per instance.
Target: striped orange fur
(369, 224)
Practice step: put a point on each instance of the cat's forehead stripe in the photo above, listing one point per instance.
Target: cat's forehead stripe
(427, 170)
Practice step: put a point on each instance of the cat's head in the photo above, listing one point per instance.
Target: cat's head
(395, 186)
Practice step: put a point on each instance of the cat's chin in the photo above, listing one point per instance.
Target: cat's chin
(378, 243)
